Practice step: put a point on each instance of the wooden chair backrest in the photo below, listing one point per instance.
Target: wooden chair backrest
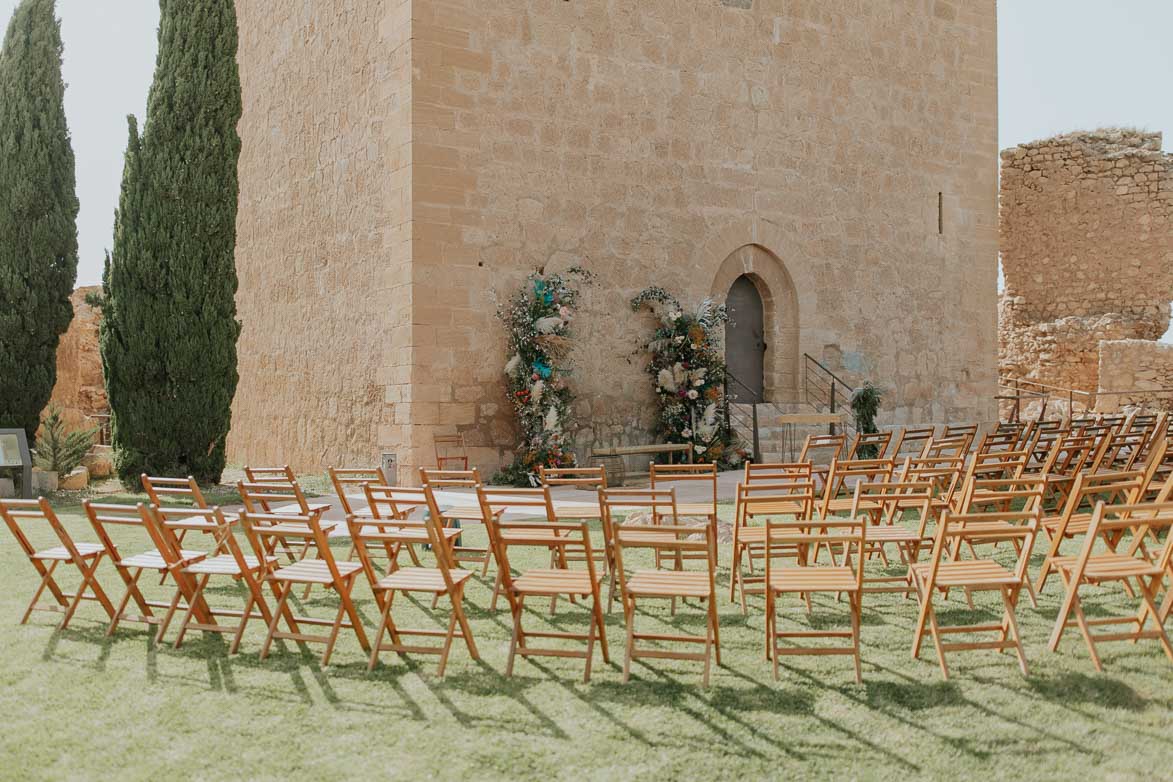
(1115, 488)
(466, 479)
(24, 516)
(777, 472)
(164, 491)
(661, 474)
(394, 502)
(955, 445)
(536, 504)
(344, 478)
(504, 535)
(695, 542)
(998, 464)
(916, 436)
(659, 504)
(444, 444)
(944, 472)
(260, 497)
(848, 535)
(891, 499)
(266, 531)
(878, 440)
(585, 477)
(283, 474)
(870, 470)
(956, 529)
(796, 498)
(1139, 520)
(834, 443)
(104, 516)
(959, 430)
(980, 494)
(998, 441)
(171, 525)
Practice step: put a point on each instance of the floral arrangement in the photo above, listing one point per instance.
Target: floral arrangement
(539, 318)
(689, 373)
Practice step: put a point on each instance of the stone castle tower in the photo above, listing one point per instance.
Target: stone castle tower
(407, 162)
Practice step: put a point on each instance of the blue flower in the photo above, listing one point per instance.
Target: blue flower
(542, 369)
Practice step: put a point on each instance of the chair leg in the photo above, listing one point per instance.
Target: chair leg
(457, 597)
(1010, 602)
(856, 600)
(713, 620)
(46, 580)
(516, 607)
(199, 590)
(629, 648)
(282, 591)
(249, 602)
(447, 644)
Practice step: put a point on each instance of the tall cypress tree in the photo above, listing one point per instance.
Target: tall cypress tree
(169, 325)
(38, 214)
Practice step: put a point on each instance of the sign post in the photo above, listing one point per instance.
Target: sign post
(14, 455)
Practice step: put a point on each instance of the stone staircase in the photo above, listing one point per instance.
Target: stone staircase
(770, 434)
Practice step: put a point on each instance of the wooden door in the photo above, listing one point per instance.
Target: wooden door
(745, 345)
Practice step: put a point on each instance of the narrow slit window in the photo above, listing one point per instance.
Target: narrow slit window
(940, 213)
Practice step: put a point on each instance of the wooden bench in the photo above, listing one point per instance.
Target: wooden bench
(634, 450)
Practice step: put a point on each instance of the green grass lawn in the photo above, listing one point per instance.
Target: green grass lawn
(78, 705)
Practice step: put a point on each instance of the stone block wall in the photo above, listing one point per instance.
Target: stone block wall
(1136, 364)
(1086, 239)
(407, 164)
(80, 390)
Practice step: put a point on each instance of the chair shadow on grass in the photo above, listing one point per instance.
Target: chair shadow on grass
(1077, 688)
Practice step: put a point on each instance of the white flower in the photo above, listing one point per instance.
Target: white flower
(686, 433)
(536, 391)
(665, 380)
(564, 313)
(550, 424)
(547, 325)
(699, 449)
(674, 315)
(679, 374)
(698, 375)
(707, 428)
(678, 340)
(513, 364)
(698, 383)
(693, 394)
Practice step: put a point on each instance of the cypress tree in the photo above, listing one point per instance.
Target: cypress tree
(169, 325)
(38, 214)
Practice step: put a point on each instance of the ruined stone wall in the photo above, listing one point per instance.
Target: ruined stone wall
(1087, 251)
(322, 237)
(841, 153)
(1136, 364)
(682, 144)
(80, 390)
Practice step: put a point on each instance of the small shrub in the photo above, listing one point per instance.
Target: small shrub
(58, 450)
(865, 403)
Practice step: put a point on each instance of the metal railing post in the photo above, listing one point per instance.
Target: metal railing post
(757, 447)
(832, 429)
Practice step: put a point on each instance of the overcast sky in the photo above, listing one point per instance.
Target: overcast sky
(1063, 65)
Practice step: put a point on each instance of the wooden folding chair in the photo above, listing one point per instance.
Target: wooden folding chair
(589, 478)
(659, 505)
(166, 491)
(282, 474)
(158, 556)
(268, 531)
(444, 445)
(826, 446)
(1069, 458)
(233, 563)
(1115, 488)
(505, 535)
(36, 514)
(887, 504)
(807, 576)
(408, 508)
(869, 445)
(443, 579)
(994, 442)
(350, 485)
(944, 473)
(703, 476)
(458, 515)
(841, 478)
(757, 502)
(911, 441)
(284, 498)
(1113, 524)
(999, 494)
(669, 585)
(943, 573)
(530, 505)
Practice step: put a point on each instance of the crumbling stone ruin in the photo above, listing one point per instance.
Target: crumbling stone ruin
(1086, 240)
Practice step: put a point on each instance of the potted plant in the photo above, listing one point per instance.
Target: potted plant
(59, 453)
(865, 403)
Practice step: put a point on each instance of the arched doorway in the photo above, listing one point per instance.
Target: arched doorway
(745, 341)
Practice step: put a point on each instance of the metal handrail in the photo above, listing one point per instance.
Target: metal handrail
(835, 377)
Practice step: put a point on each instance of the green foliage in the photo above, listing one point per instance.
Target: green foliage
(689, 373)
(38, 214)
(865, 403)
(169, 325)
(59, 450)
(538, 318)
